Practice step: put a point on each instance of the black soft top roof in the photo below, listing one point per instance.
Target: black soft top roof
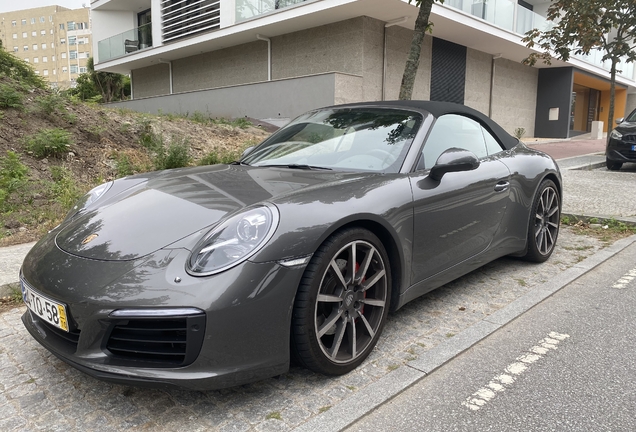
(438, 109)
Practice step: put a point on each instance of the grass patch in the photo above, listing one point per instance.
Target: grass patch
(10, 97)
(392, 367)
(606, 230)
(274, 415)
(324, 409)
(49, 142)
(13, 175)
(522, 282)
(65, 190)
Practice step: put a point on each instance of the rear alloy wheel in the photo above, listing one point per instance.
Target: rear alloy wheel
(544, 222)
(612, 165)
(342, 303)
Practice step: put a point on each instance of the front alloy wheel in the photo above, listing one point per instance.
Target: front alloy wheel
(342, 303)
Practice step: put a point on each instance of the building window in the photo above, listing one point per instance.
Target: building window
(64, 69)
(51, 31)
(42, 32)
(37, 72)
(24, 34)
(52, 58)
(72, 40)
(70, 25)
(74, 69)
(15, 35)
(81, 26)
(36, 60)
(61, 26)
(54, 71)
(45, 72)
(45, 59)
(62, 41)
(72, 54)
(25, 48)
(35, 47)
(32, 20)
(50, 18)
(63, 55)
(44, 46)
(42, 19)
(83, 70)
(34, 33)
(26, 60)
(15, 49)
(14, 23)
(23, 22)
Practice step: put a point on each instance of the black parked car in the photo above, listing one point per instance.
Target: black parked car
(215, 276)
(621, 146)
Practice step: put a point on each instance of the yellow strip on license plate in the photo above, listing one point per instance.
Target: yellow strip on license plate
(48, 310)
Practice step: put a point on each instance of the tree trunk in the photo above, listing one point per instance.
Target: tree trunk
(413, 60)
(610, 115)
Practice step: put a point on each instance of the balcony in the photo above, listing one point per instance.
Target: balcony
(125, 43)
(518, 19)
(246, 9)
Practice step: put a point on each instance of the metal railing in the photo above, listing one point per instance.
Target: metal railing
(246, 9)
(124, 43)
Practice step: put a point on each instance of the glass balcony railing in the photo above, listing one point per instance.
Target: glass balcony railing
(125, 43)
(510, 16)
(246, 9)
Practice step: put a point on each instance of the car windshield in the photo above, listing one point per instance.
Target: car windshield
(360, 139)
(632, 117)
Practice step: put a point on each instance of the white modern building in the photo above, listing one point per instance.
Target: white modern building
(273, 59)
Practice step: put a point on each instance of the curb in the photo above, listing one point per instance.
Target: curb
(587, 167)
(600, 219)
(394, 383)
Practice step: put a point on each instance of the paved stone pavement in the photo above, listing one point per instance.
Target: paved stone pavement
(40, 392)
(568, 148)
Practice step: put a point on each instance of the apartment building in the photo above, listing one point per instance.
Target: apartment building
(273, 59)
(55, 40)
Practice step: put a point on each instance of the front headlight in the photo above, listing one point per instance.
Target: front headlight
(233, 241)
(616, 134)
(90, 197)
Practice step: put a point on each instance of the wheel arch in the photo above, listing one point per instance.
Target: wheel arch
(390, 243)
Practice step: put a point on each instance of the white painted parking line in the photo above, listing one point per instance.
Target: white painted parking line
(499, 383)
(625, 279)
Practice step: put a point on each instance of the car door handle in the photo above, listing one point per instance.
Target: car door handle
(502, 186)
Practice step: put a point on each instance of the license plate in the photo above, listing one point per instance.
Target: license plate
(50, 311)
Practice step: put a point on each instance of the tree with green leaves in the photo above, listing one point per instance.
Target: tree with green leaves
(585, 25)
(422, 25)
(109, 84)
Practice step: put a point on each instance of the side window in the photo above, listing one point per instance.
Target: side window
(452, 130)
(492, 145)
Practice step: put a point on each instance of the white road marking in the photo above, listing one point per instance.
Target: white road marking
(625, 279)
(498, 384)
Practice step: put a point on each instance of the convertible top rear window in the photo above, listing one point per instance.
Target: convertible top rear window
(366, 139)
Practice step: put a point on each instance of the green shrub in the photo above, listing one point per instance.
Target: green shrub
(214, 158)
(242, 123)
(10, 97)
(124, 166)
(175, 155)
(50, 104)
(64, 188)
(13, 176)
(49, 142)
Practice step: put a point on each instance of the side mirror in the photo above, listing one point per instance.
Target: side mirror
(619, 120)
(247, 151)
(454, 160)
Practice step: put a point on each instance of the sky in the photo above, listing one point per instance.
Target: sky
(12, 5)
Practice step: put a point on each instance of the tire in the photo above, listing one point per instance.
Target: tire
(612, 165)
(545, 218)
(340, 308)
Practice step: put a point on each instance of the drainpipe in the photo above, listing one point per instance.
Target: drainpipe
(387, 25)
(169, 63)
(269, 54)
(131, 86)
(492, 82)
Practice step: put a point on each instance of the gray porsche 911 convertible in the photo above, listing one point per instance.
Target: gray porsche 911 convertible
(215, 276)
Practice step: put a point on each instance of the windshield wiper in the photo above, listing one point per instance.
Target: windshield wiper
(240, 163)
(298, 166)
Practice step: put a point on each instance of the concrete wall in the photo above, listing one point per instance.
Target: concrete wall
(151, 81)
(478, 80)
(397, 49)
(514, 98)
(241, 64)
(279, 99)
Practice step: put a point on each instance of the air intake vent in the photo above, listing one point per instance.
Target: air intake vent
(164, 342)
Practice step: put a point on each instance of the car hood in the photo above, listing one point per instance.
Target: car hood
(171, 205)
(626, 128)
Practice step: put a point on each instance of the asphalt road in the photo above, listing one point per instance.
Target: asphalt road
(567, 364)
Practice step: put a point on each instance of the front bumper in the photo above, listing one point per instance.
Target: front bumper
(621, 150)
(242, 333)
